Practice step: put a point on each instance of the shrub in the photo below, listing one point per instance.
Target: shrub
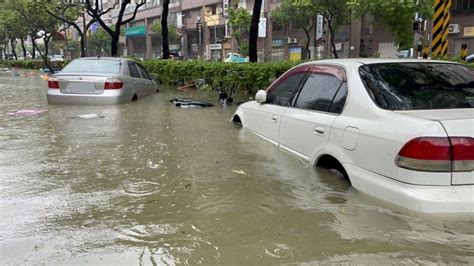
(248, 77)
(30, 64)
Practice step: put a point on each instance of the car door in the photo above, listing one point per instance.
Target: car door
(264, 118)
(306, 126)
(136, 79)
(146, 80)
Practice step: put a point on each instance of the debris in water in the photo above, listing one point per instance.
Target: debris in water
(190, 103)
(89, 116)
(27, 112)
(240, 172)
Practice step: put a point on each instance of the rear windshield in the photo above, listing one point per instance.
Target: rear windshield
(93, 66)
(419, 86)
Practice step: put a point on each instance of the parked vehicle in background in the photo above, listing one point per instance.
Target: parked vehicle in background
(235, 58)
(173, 56)
(56, 58)
(470, 58)
(400, 130)
(404, 54)
(105, 80)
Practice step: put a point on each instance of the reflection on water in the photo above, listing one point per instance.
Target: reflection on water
(150, 183)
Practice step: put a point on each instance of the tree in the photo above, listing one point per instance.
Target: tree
(397, 15)
(301, 15)
(98, 42)
(68, 13)
(25, 17)
(173, 34)
(335, 12)
(95, 10)
(253, 34)
(239, 21)
(164, 30)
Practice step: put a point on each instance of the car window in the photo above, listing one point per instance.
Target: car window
(339, 100)
(318, 92)
(132, 68)
(93, 66)
(284, 92)
(419, 86)
(143, 72)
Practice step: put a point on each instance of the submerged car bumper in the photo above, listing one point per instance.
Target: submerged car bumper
(427, 199)
(107, 97)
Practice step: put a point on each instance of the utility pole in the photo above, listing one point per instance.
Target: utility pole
(269, 38)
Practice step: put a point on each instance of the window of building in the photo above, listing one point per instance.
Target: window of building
(460, 6)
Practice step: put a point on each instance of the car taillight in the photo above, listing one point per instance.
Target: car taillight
(463, 154)
(53, 83)
(438, 154)
(113, 84)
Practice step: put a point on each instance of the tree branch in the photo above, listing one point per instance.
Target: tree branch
(134, 12)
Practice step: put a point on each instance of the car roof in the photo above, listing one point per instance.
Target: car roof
(356, 62)
(98, 58)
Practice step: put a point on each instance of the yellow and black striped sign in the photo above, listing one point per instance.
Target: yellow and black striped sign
(441, 18)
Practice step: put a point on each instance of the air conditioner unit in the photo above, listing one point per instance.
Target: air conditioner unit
(288, 40)
(295, 40)
(219, 10)
(454, 28)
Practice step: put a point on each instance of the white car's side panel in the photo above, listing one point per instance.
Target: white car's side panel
(304, 131)
(263, 119)
(428, 199)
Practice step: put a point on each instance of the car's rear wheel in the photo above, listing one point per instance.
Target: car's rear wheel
(236, 120)
(332, 164)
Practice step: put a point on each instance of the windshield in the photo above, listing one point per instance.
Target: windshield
(419, 86)
(93, 66)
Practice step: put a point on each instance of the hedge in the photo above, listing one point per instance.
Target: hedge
(248, 77)
(30, 64)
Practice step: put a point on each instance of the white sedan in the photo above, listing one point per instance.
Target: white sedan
(399, 130)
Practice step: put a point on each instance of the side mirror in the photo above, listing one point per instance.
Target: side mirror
(261, 96)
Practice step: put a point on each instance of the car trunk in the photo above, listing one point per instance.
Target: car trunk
(70, 83)
(457, 123)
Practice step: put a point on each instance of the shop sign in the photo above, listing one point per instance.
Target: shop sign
(136, 31)
(278, 42)
(469, 32)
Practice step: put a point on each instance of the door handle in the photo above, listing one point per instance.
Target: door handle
(274, 119)
(134, 82)
(318, 130)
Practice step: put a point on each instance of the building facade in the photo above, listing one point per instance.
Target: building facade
(204, 33)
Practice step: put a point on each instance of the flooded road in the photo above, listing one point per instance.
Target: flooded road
(149, 183)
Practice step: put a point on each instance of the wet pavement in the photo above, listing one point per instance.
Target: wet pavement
(149, 183)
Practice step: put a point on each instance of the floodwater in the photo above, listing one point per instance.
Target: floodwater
(148, 183)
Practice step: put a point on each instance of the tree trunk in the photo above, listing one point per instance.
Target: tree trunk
(164, 30)
(308, 40)
(83, 44)
(114, 47)
(253, 35)
(331, 32)
(44, 57)
(33, 53)
(12, 44)
(46, 45)
(23, 47)
(238, 45)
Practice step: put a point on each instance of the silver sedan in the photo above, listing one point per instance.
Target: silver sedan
(105, 80)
